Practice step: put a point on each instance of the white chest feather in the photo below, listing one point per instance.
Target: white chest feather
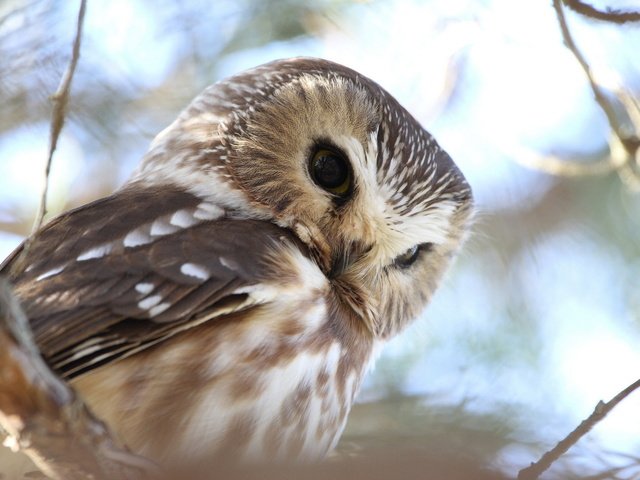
(294, 410)
(270, 387)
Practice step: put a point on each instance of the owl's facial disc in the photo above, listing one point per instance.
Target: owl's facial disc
(327, 153)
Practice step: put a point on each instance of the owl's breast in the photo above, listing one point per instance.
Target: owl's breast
(271, 383)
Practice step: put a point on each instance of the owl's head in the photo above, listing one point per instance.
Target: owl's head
(327, 153)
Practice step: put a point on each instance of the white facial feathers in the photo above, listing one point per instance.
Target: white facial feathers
(247, 144)
(378, 211)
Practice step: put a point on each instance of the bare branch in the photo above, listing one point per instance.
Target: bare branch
(45, 418)
(599, 95)
(609, 15)
(630, 177)
(623, 145)
(60, 101)
(536, 469)
(558, 166)
(630, 104)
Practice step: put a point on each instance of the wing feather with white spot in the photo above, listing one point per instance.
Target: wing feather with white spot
(126, 272)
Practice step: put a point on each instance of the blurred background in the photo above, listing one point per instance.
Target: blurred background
(540, 317)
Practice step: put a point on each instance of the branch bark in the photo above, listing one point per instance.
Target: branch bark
(624, 145)
(559, 166)
(533, 471)
(608, 15)
(46, 419)
(60, 101)
(598, 93)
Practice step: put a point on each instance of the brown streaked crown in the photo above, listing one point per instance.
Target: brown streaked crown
(250, 136)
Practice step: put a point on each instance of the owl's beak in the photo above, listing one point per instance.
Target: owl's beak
(317, 244)
(339, 264)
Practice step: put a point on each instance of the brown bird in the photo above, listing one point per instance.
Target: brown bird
(230, 297)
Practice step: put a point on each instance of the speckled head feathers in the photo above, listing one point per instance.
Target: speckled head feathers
(246, 141)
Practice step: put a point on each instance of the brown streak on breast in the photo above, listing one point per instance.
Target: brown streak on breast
(328, 423)
(270, 354)
(273, 438)
(246, 385)
(239, 433)
(291, 327)
(295, 406)
(295, 442)
(322, 380)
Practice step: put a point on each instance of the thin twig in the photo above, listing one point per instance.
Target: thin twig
(631, 105)
(60, 101)
(536, 469)
(608, 15)
(554, 165)
(623, 145)
(598, 93)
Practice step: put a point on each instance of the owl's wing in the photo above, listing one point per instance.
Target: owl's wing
(123, 273)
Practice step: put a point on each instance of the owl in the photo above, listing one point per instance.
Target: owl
(227, 301)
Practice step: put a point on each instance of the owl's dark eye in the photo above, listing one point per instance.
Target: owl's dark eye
(410, 256)
(330, 170)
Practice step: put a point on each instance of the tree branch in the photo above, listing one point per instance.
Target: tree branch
(624, 146)
(609, 15)
(45, 418)
(533, 471)
(598, 93)
(558, 166)
(60, 101)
